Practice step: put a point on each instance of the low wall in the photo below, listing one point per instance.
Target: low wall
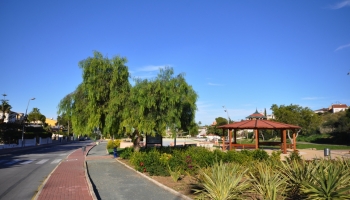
(45, 140)
(27, 143)
(126, 144)
(6, 146)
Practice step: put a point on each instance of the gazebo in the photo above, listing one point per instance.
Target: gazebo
(257, 125)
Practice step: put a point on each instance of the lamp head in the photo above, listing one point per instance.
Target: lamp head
(32, 98)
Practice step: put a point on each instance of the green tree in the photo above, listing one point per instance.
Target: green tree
(5, 108)
(219, 122)
(297, 115)
(35, 116)
(64, 112)
(164, 102)
(100, 99)
(337, 122)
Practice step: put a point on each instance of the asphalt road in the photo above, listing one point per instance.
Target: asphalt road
(21, 173)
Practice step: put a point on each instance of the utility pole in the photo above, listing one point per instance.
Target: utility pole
(24, 119)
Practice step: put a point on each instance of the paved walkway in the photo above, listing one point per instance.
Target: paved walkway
(68, 180)
(113, 180)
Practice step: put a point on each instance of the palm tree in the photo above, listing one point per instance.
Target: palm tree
(5, 108)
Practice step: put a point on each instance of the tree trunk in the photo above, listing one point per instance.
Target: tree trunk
(262, 135)
(136, 140)
(291, 139)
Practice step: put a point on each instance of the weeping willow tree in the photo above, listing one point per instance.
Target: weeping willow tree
(100, 99)
(157, 104)
(105, 99)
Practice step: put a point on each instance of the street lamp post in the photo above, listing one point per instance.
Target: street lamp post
(228, 121)
(24, 117)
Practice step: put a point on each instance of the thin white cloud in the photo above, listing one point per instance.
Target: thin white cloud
(341, 4)
(146, 72)
(342, 47)
(150, 68)
(145, 76)
(215, 84)
(311, 98)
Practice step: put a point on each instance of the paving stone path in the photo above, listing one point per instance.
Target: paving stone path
(112, 180)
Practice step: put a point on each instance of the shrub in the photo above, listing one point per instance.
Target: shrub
(153, 163)
(243, 157)
(296, 173)
(275, 157)
(260, 155)
(267, 182)
(178, 159)
(200, 156)
(176, 174)
(113, 144)
(126, 153)
(219, 155)
(294, 156)
(137, 160)
(330, 180)
(223, 181)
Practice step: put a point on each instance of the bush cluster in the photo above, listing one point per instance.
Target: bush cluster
(247, 174)
(113, 144)
(187, 160)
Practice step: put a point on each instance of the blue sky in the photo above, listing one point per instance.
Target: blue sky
(244, 55)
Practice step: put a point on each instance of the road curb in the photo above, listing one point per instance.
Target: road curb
(156, 182)
(87, 176)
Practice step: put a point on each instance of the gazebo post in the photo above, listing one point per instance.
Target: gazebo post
(230, 138)
(223, 139)
(284, 144)
(256, 138)
(235, 135)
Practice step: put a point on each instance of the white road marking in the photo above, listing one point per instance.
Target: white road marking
(56, 161)
(27, 162)
(42, 161)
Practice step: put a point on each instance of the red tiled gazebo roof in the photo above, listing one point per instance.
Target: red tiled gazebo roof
(256, 115)
(259, 124)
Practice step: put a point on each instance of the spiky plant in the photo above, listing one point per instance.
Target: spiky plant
(223, 181)
(330, 180)
(296, 172)
(267, 182)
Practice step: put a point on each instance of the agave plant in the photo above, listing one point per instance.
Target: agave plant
(330, 180)
(223, 181)
(267, 182)
(296, 172)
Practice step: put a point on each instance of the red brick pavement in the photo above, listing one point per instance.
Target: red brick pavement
(68, 181)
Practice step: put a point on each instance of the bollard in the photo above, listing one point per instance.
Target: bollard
(115, 153)
(327, 152)
(83, 148)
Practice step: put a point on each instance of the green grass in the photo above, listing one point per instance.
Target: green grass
(322, 146)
